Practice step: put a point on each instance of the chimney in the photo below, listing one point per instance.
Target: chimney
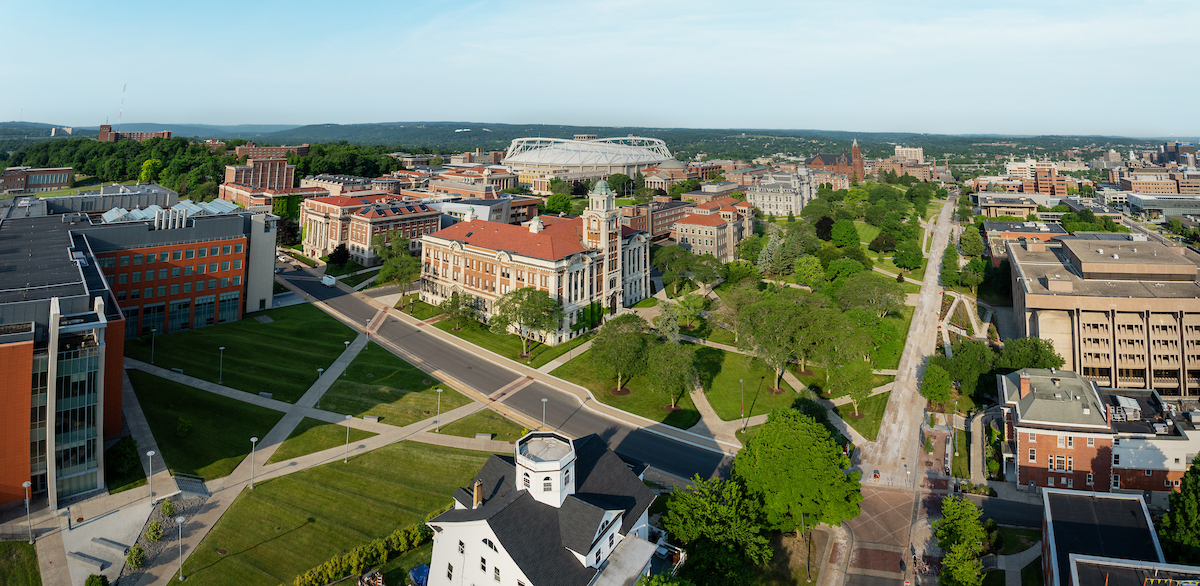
(477, 498)
(1025, 386)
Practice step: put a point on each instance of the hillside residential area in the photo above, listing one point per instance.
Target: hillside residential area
(643, 328)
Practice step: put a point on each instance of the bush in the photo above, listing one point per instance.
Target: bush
(154, 531)
(96, 580)
(168, 508)
(182, 427)
(135, 557)
(371, 555)
(124, 455)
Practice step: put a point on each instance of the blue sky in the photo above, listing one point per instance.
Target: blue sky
(1115, 68)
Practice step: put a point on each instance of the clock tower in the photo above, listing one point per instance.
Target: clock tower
(602, 233)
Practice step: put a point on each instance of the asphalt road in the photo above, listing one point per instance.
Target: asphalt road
(1010, 512)
(563, 410)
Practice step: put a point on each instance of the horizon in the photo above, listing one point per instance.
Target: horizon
(936, 67)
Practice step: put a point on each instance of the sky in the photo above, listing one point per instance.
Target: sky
(955, 67)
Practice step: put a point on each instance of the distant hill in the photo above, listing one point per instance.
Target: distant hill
(205, 130)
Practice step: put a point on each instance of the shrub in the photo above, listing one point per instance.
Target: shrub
(154, 531)
(96, 580)
(168, 508)
(182, 427)
(124, 455)
(135, 557)
(929, 444)
(373, 554)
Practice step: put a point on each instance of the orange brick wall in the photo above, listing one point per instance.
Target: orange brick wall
(1096, 459)
(114, 364)
(17, 359)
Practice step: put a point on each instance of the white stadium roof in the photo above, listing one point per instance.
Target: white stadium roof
(628, 150)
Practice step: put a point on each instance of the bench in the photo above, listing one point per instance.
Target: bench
(371, 418)
(266, 395)
(110, 544)
(88, 560)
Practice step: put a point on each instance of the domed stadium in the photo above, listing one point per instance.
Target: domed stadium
(626, 155)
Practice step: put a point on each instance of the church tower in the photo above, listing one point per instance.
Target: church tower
(602, 233)
(856, 161)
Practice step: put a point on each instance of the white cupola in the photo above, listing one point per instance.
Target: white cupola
(546, 466)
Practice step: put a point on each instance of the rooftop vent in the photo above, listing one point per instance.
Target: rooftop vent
(1099, 251)
(1115, 257)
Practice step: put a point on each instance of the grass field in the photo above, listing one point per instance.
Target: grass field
(485, 421)
(396, 571)
(748, 433)
(720, 372)
(640, 401)
(420, 309)
(353, 280)
(685, 286)
(289, 524)
(918, 275)
(960, 465)
(379, 383)
(1032, 575)
(258, 357)
(509, 345)
(866, 232)
(871, 410)
(314, 435)
(220, 432)
(647, 302)
(337, 271)
(902, 322)
(1013, 540)
(19, 564)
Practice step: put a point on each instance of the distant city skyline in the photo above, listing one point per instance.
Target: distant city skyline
(930, 67)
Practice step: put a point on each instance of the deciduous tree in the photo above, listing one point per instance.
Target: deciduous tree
(935, 386)
(971, 242)
(722, 528)
(852, 380)
(150, 170)
(824, 227)
(690, 306)
(1179, 528)
(844, 233)
(339, 256)
(1029, 353)
(458, 307)
(808, 270)
(673, 262)
(529, 311)
(961, 567)
(671, 370)
(871, 291)
(908, 255)
(558, 203)
(619, 349)
(960, 524)
(950, 266)
(769, 334)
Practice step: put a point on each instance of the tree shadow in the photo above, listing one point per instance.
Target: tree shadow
(708, 365)
(231, 555)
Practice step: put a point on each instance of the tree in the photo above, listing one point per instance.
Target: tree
(402, 269)
(871, 291)
(935, 386)
(1179, 528)
(339, 256)
(1029, 353)
(733, 302)
(751, 247)
(883, 242)
(671, 369)
(667, 322)
(529, 311)
(971, 242)
(619, 350)
(797, 469)
(673, 262)
(972, 358)
(721, 527)
(844, 233)
(961, 567)
(618, 182)
(852, 380)
(960, 524)
(96, 580)
(824, 228)
(659, 580)
(458, 307)
(690, 306)
(950, 266)
(150, 171)
(843, 268)
(558, 203)
(970, 276)
(770, 329)
(560, 187)
(705, 268)
(807, 270)
(908, 255)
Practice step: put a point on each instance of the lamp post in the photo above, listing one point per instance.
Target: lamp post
(346, 459)
(743, 383)
(439, 415)
(367, 329)
(221, 371)
(153, 331)
(27, 484)
(319, 371)
(150, 460)
(253, 445)
(544, 401)
(179, 521)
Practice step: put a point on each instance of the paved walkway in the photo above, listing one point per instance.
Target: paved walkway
(565, 358)
(976, 449)
(1014, 563)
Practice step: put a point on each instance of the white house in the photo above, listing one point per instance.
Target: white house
(558, 513)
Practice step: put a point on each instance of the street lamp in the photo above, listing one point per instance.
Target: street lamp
(221, 372)
(346, 459)
(153, 331)
(367, 329)
(150, 460)
(347, 343)
(179, 521)
(544, 401)
(27, 484)
(319, 371)
(743, 383)
(253, 445)
(439, 415)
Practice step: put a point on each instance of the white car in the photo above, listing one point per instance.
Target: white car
(282, 258)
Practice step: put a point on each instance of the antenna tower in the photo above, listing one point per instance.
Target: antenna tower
(122, 110)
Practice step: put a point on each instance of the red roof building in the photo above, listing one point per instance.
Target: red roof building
(356, 221)
(716, 227)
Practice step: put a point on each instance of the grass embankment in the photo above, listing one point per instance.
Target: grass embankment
(509, 345)
(640, 401)
(312, 436)
(485, 421)
(379, 383)
(870, 414)
(19, 564)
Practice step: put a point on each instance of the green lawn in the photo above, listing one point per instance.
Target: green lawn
(640, 401)
(685, 286)
(396, 571)
(871, 410)
(994, 578)
(314, 435)
(485, 421)
(339, 270)
(902, 322)
(1014, 540)
(917, 275)
(866, 232)
(121, 481)
(420, 309)
(748, 434)
(720, 372)
(962, 316)
(816, 380)
(353, 280)
(960, 466)
(625, 201)
(280, 357)
(220, 432)
(289, 524)
(379, 383)
(647, 302)
(934, 208)
(19, 564)
(509, 345)
(1031, 575)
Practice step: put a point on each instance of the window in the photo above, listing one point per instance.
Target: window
(137, 259)
(137, 277)
(152, 258)
(1116, 460)
(187, 271)
(213, 251)
(237, 248)
(121, 278)
(224, 281)
(149, 275)
(174, 289)
(187, 287)
(225, 249)
(1089, 478)
(162, 290)
(237, 264)
(120, 296)
(1032, 455)
(212, 283)
(162, 273)
(201, 252)
(125, 260)
(1032, 437)
(597, 556)
(212, 267)
(225, 266)
(1116, 441)
(1175, 483)
(490, 544)
(1070, 441)
(1070, 483)
(149, 292)
(175, 272)
(1116, 481)
(1062, 441)
(1070, 464)
(1060, 463)
(190, 253)
(199, 285)
(526, 481)
(237, 279)
(177, 255)
(496, 573)
(135, 294)
(200, 269)
(461, 547)
(567, 477)
(482, 565)
(1147, 473)
(449, 567)
(1050, 481)
(1091, 442)
(547, 484)
(1166, 483)
(611, 538)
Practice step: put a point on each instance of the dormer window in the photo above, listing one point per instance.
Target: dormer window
(547, 484)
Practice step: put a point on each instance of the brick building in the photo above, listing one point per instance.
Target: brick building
(355, 221)
(337, 184)
(31, 180)
(848, 164)
(262, 174)
(281, 202)
(716, 228)
(991, 206)
(108, 135)
(656, 218)
(997, 234)
(580, 261)
(254, 151)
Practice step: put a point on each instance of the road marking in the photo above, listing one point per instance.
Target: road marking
(511, 388)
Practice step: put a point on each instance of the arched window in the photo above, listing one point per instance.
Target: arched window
(567, 477)
(490, 544)
(526, 481)
(547, 484)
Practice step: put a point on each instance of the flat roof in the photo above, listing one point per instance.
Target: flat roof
(1151, 409)
(1035, 266)
(1114, 572)
(1056, 397)
(1115, 526)
(1030, 227)
(35, 260)
(1123, 252)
